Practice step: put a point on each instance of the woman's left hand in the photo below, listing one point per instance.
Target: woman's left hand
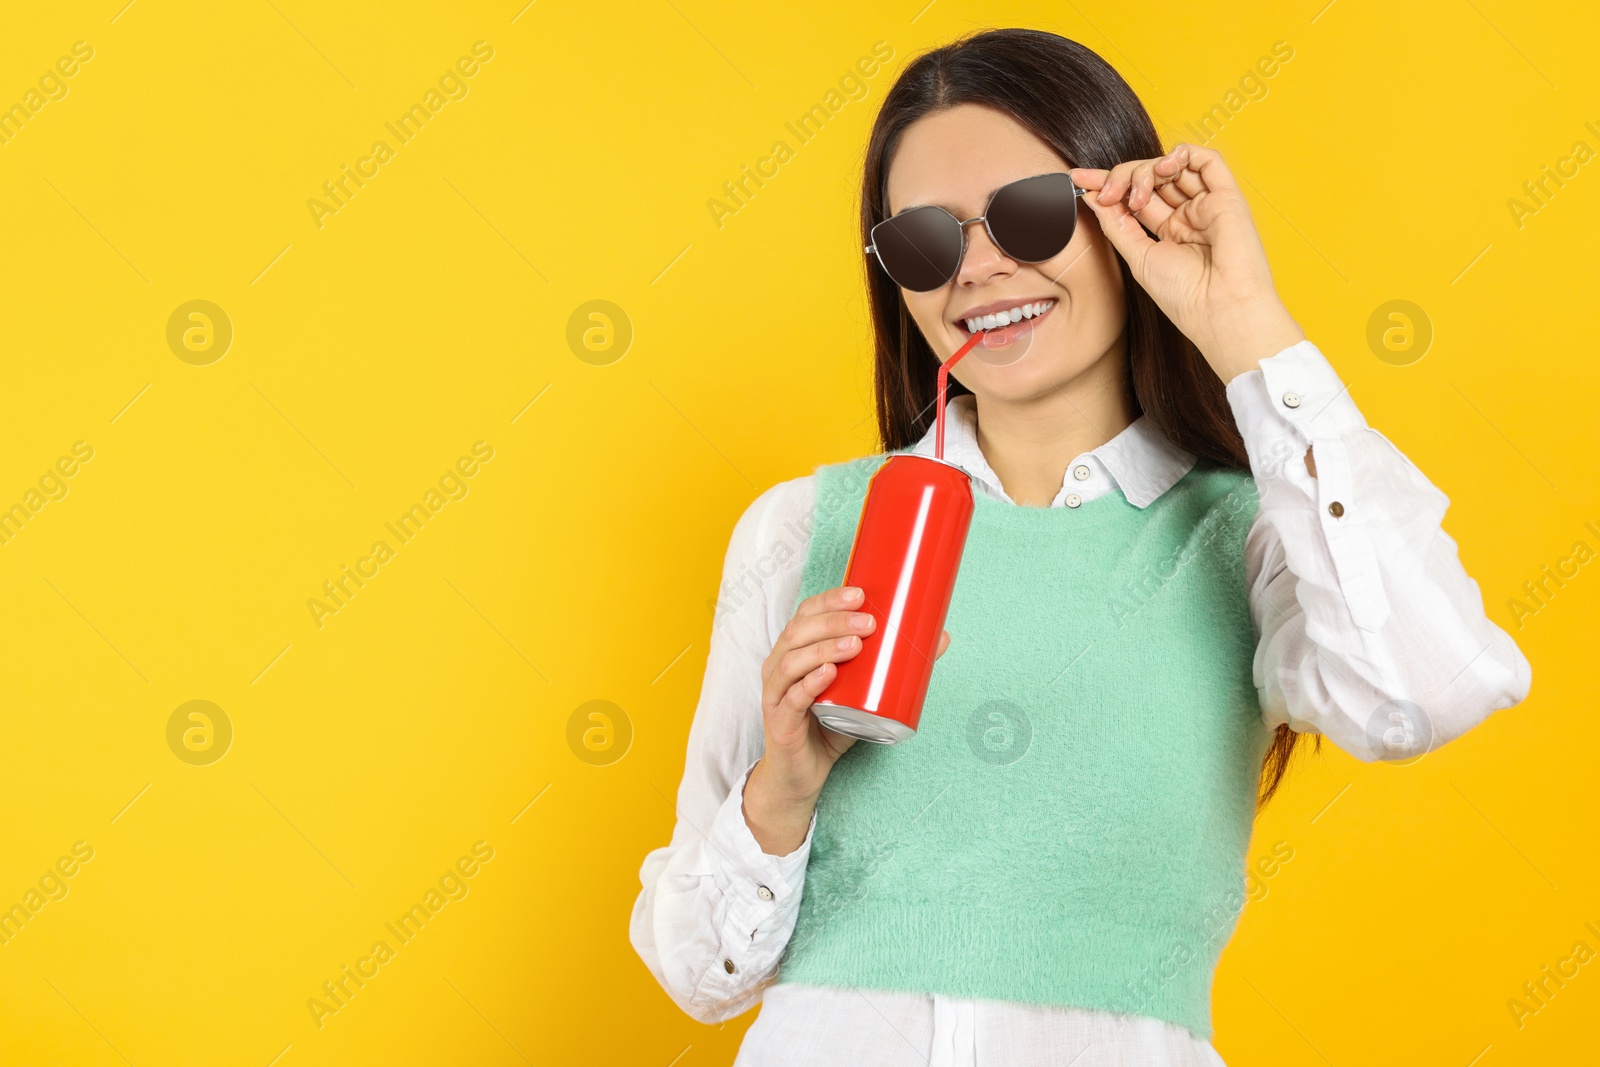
(1208, 271)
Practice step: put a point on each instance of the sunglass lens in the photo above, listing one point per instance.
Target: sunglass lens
(1032, 220)
(920, 248)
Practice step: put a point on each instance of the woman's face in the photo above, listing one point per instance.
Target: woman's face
(954, 159)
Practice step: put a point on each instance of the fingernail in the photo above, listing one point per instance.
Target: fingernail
(852, 593)
(863, 622)
(845, 643)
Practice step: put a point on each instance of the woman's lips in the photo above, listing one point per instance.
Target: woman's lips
(1007, 334)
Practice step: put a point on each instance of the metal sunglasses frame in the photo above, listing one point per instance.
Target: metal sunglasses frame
(984, 218)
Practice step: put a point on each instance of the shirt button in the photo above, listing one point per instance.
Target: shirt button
(1073, 500)
(1336, 509)
(1291, 400)
(1080, 472)
(763, 892)
(727, 965)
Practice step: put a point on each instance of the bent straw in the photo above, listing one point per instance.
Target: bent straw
(944, 373)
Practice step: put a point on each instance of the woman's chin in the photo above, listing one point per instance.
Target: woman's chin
(1039, 372)
(1013, 383)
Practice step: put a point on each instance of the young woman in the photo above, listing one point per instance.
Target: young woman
(1188, 549)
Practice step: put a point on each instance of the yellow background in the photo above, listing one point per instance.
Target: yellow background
(427, 714)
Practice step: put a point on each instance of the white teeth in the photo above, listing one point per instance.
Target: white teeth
(1003, 318)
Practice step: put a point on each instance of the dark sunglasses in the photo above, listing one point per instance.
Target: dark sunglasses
(1030, 220)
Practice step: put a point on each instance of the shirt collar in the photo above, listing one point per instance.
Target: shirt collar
(1141, 459)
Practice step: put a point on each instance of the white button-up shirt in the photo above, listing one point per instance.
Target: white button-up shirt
(1359, 604)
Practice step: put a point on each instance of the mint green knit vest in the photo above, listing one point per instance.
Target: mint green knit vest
(1070, 824)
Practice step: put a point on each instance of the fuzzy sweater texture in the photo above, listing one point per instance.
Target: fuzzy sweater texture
(1070, 824)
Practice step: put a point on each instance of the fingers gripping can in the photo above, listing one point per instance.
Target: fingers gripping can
(905, 558)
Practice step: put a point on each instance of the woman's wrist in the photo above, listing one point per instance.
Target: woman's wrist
(1250, 332)
(778, 819)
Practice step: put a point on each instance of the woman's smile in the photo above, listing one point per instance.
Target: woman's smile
(1004, 321)
(1002, 315)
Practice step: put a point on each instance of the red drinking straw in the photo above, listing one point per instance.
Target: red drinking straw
(944, 373)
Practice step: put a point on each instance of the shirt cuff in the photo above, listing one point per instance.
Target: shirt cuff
(760, 888)
(1294, 398)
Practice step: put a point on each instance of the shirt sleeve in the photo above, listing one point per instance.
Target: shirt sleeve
(1370, 632)
(715, 911)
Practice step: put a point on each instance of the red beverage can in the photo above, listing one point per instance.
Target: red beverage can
(905, 558)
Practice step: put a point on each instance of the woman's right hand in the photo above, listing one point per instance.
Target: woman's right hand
(783, 786)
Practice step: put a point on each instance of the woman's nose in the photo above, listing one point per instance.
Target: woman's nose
(983, 258)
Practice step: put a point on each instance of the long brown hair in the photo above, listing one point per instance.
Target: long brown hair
(1077, 104)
